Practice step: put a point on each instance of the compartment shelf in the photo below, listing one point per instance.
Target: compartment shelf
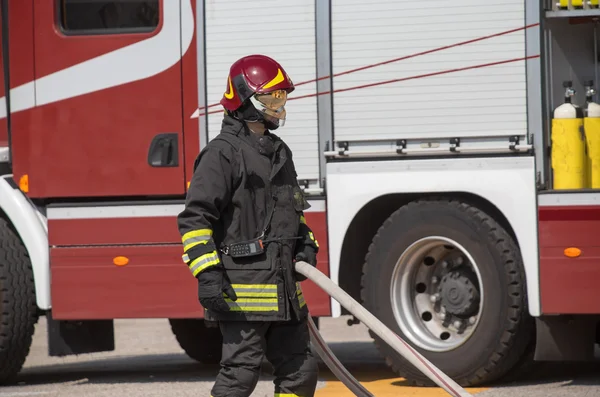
(573, 13)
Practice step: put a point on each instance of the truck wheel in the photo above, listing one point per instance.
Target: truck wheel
(18, 307)
(199, 342)
(456, 293)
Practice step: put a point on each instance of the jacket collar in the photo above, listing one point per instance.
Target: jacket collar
(236, 127)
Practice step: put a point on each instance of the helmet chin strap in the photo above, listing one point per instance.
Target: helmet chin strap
(248, 113)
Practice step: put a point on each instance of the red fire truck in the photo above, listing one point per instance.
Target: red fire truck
(447, 195)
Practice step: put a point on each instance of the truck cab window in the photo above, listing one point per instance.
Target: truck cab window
(97, 16)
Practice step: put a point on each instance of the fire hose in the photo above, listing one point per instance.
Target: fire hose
(362, 314)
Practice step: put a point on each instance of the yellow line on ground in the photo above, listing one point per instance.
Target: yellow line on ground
(391, 387)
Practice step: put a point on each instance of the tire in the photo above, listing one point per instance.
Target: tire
(18, 307)
(526, 366)
(199, 342)
(498, 328)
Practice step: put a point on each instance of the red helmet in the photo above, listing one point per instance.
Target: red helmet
(257, 87)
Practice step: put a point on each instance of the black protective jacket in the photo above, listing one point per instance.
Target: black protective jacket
(240, 181)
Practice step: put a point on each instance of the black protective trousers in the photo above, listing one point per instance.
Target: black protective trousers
(286, 346)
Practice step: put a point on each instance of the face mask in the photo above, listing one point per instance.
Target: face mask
(272, 107)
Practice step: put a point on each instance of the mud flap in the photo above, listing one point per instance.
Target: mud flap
(67, 338)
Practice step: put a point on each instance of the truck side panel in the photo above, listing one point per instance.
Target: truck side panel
(473, 86)
(91, 279)
(489, 178)
(569, 252)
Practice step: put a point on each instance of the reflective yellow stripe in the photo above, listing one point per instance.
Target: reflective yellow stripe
(253, 309)
(312, 237)
(254, 298)
(253, 305)
(299, 295)
(197, 233)
(204, 261)
(302, 219)
(250, 300)
(255, 290)
(301, 301)
(195, 237)
(245, 287)
(244, 294)
(286, 395)
(194, 243)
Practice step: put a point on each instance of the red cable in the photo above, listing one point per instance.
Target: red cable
(483, 65)
(421, 53)
(397, 59)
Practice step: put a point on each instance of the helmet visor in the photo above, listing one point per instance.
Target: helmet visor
(273, 100)
(271, 104)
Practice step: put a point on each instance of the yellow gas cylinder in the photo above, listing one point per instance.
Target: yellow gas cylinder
(574, 3)
(568, 144)
(591, 126)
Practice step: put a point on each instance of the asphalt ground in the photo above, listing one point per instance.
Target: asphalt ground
(149, 362)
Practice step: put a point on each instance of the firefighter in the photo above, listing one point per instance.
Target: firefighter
(243, 227)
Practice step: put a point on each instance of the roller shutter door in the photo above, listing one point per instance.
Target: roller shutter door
(284, 31)
(487, 100)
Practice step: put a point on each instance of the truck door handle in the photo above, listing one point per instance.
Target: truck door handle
(164, 151)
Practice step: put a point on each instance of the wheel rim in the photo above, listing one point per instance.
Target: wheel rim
(437, 294)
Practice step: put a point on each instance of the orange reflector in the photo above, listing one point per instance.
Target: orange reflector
(24, 183)
(572, 252)
(121, 260)
(188, 185)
